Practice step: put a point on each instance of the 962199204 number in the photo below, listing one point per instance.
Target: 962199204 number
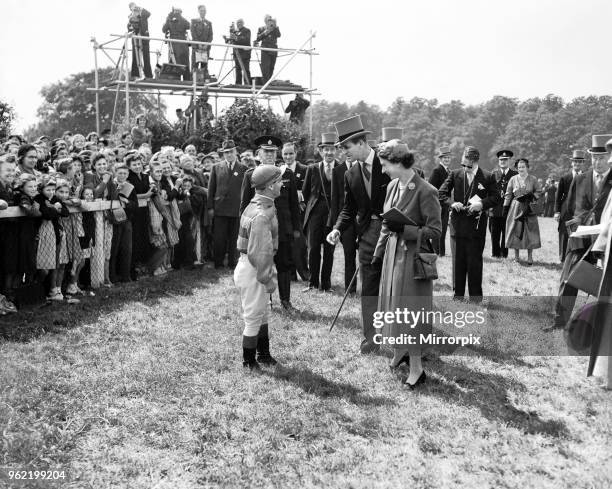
(36, 474)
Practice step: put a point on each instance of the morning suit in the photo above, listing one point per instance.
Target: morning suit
(317, 195)
(363, 205)
(437, 178)
(468, 231)
(497, 221)
(589, 205)
(564, 203)
(224, 192)
(349, 236)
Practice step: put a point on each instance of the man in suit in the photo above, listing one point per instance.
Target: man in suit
(437, 178)
(317, 195)
(241, 36)
(201, 31)
(268, 37)
(564, 199)
(287, 213)
(223, 204)
(497, 223)
(138, 24)
(591, 189)
(300, 257)
(469, 192)
(365, 188)
(349, 236)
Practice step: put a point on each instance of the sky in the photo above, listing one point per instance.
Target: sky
(468, 50)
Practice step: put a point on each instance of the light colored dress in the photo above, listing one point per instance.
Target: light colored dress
(522, 228)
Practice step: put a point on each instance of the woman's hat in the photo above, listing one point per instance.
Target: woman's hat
(328, 139)
(599, 144)
(270, 143)
(504, 154)
(389, 133)
(350, 128)
(524, 160)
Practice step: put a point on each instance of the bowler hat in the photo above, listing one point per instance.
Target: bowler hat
(328, 139)
(389, 133)
(504, 154)
(578, 154)
(265, 175)
(350, 128)
(227, 145)
(268, 142)
(598, 145)
(444, 151)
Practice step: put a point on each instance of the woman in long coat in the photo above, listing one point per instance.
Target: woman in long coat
(522, 229)
(418, 201)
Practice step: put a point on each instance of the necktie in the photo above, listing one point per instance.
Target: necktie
(328, 172)
(230, 167)
(366, 172)
(598, 178)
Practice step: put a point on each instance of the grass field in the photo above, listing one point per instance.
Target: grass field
(142, 387)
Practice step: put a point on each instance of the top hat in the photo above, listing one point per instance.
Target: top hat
(444, 151)
(504, 154)
(578, 154)
(227, 145)
(268, 142)
(471, 153)
(389, 133)
(328, 139)
(372, 143)
(350, 128)
(599, 144)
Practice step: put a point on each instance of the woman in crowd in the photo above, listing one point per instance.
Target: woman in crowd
(104, 188)
(522, 229)
(418, 201)
(164, 222)
(92, 137)
(141, 248)
(78, 143)
(9, 234)
(140, 132)
(27, 157)
(121, 250)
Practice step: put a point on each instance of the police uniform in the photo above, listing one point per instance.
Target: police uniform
(288, 216)
(497, 221)
(257, 243)
(201, 31)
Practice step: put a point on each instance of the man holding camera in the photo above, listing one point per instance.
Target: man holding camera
(176, 27)
(268, 36)
(201, 31)
(138, 24)
(241, 36)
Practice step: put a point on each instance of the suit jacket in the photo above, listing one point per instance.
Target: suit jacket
(358, 206)
(202, 31)
(316, 189)
(224, 189)
(587, 200)
(438, 176)
(243, 38)
(268, 39)
(463, 225)
(287, 208)
(562, 198)
(502, 185)
(300, 174)
(337, 193)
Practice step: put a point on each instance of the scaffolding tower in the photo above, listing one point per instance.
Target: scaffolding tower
(119, 50)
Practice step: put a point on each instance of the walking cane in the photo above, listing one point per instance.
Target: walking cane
(345, 296)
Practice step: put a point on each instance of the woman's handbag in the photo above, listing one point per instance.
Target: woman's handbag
(585, 276)
(579, 332)
(116, 215)
(424, 263)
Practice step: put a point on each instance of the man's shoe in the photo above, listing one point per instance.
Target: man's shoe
(310, 287)
(288, 306)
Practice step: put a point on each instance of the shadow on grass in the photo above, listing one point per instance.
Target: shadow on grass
(54, 318)
(316, 384)
(489, 393)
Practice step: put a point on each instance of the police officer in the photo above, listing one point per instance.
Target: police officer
(176, 27)
(255, 273)
(201, 31)
(287, 211)
(497, 222)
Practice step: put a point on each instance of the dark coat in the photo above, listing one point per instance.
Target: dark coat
(287, 208)
(268, 39)
(316, 189)
(337, 193)
(201, 31)
(224, 189)
(139, 24)
(358, 206)
(438, 176)
(456, 189)
(562, 200)
(502, 185)
(100, 188)
(300, 174)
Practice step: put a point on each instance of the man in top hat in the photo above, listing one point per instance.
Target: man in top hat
(365, 188)
(497, 221)
(287, 212)
(300, 249)
(469, 192)
(564, 199)
(591, 190)
(437, 178)
(223, 204)
(317, 195)
(201, 31)
(255, 272)
(349, 235)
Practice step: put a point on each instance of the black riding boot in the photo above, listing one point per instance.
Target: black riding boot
(263, 347)
(249, 348)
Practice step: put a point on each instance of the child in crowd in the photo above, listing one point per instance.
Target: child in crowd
(67, 236)
(27, 188)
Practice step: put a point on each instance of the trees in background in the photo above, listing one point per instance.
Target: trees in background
(7, 117)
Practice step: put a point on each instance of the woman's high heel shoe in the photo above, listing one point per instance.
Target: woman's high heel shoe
(420, 380)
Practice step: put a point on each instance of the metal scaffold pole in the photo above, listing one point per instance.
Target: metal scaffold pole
(97, 83)
(310, 123)
(127, 83)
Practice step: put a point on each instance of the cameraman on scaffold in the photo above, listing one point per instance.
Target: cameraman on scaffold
(176, 27)
(268, 36)
(241, 36)
(138, 24)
